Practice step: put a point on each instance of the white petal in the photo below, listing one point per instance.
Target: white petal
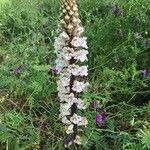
(77, 140)
(79, 42)
(75, 119)
(78, 86)
(69, 129)
(65, 120)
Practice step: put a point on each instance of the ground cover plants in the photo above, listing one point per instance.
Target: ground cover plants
(118, 108)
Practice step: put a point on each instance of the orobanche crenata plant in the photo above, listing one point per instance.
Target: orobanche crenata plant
(71, 50)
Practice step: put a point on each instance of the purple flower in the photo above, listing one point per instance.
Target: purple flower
(93, 104)
(100, 117)
(54, 69)
(144, 73)
(67, 143)
(116, 10)
(18, 70)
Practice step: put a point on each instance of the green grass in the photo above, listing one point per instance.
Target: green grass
(28, 102)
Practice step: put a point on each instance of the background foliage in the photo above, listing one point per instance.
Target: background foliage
(119, 46)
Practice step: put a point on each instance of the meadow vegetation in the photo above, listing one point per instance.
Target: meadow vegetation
(119, 74)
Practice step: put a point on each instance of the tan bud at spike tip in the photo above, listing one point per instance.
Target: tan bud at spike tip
(69, 17)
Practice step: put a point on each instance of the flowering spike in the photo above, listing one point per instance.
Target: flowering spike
(71, 50)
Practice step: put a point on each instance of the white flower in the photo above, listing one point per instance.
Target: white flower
(81, 55)
(63, 81)
(79, 42)
(77, 140)
(75, 119)
(62, 89)
(64, 36)
(80, 104)
(62, 96)
(64, 113)
(68, 98)
(73, 69)
(65, 73)
(65, 120)
(70, 129)
(68, 56)
(71, 98)
(77, 70)
(66, 53)
(64, 106)
(78, 86)
(83, 122)
(83, 71)
(61, 41)
(64, 110)
(61, 63)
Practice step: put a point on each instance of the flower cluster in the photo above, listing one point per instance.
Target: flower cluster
(71, 51)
